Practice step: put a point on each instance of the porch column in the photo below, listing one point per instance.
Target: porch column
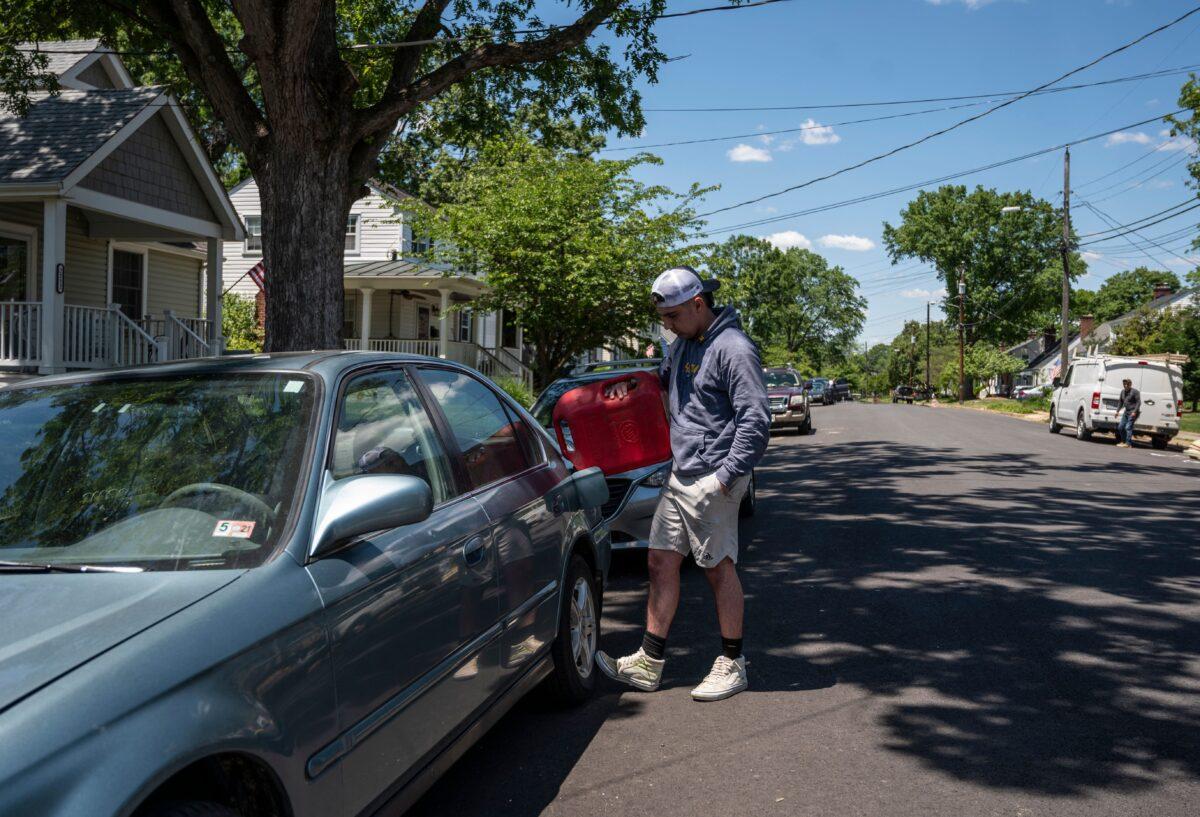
(444, 325)
(54, 253)
(212, 283)
(365, 320)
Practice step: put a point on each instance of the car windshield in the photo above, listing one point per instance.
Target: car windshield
(777, 380)
(175, 473)
(543, 409)
(819, 385)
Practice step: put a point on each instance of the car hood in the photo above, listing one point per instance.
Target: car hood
(782, 391)
(56, 622)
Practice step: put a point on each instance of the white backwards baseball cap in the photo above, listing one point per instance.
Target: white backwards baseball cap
(679, 285)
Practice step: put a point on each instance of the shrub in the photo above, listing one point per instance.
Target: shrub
(517, 390)
(239, 323)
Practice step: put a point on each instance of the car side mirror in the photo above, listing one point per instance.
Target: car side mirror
(586, 488)
(1057, 382)
(366, 503)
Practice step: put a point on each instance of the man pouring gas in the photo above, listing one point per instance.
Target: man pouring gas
(720, 424)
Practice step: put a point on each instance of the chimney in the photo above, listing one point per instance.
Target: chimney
(1048, 339)
(1086, 324)
(1162, 290)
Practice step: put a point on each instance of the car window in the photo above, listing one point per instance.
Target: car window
(1070, 374)
(487, 437)
(383, 429)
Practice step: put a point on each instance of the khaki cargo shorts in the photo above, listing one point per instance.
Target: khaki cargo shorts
(694, 516)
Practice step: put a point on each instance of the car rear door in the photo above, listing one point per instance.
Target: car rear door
(1160, 388)
(510, 474)
(412, 613)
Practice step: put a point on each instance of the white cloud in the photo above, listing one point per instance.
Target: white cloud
(854, 243)
(924, 293)
(813, 134)
(766, 138)
(1128, 137)
(1150, 103)
(788, 239)
(748, 153)
(1192, 261)
(1171, 143)
(1089, 256)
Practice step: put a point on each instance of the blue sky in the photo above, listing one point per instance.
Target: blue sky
(837, 51)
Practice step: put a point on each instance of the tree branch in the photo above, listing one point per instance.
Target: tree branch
(185, 25)
(379, 119)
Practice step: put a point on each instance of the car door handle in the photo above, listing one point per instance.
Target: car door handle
(473, 550)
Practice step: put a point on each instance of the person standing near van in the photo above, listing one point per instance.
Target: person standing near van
(1130, 402)
(720, 424)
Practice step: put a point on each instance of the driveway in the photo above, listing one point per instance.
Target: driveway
(949, 613)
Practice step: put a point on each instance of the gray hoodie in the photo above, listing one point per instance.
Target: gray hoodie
(719, 416)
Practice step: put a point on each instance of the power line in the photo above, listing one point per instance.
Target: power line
(1146, 218)
(1140, 177)
(1166, 72)
(956, 125)
(792, 130)
(1139, 227)
(917, 185)
(1111, 220)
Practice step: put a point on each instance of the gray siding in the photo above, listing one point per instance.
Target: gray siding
(174, 284)
(150, 169)
(96, 76)
(87, 264)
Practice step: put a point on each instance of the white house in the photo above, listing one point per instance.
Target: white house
(111, 224)
(393, 302)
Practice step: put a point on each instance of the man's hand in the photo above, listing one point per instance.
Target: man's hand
(724, 488)
(619, 390)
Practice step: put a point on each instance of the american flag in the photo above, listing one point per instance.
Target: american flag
(257, 274)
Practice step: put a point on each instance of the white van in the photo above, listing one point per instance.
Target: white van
(1089, 397)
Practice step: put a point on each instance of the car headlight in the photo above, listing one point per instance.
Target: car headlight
(659, 478)
(797, 401)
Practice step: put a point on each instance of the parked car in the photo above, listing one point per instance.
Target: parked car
(1032, 392)
(633, 495)
(278, 585)
(1089, 397)
(819, 391)
(904, 394)
(839, 390)
(788, 399)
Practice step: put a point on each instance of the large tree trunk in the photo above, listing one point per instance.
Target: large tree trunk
(305, 202)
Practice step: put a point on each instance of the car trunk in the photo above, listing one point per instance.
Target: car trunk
(1159, 385)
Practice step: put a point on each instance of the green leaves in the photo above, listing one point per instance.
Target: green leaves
(1124, 292)
(568, 243)
(798, 308)
(1007, 259)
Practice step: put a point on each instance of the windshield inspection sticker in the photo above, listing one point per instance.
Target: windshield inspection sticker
(293, 387)
(233, 529)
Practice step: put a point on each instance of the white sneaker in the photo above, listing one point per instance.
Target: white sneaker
(638, 670)
(726, 678)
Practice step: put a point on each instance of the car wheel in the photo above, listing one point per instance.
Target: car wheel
(750, 500)
(191, 809)
(893, 400)
(1081, 429)
(1159, 443)
(1055, 426)
(574, 651)
(806, 426)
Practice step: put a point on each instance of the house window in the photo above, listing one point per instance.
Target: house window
(352, 234)
(14, 268)
(253, 243)
(508, 330)
(127, 280)
(464, 325)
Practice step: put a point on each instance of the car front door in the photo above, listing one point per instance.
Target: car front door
(412, 612)
(1065, 406)
(511, 474)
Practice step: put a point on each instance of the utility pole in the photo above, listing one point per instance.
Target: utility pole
(928, 386)
(962, 375)
(1066, 263)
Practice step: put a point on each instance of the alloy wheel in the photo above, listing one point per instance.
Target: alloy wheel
(583, 627)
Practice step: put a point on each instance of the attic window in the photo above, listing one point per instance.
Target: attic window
(352, 234)
(253, 243)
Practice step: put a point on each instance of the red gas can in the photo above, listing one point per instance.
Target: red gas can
(617, 435)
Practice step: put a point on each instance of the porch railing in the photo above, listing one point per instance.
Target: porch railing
(472, 354)
(87, 337)
(132, 345)
(20, 335)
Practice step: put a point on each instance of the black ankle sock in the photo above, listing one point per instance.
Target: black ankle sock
(732, 647)
(653, 645)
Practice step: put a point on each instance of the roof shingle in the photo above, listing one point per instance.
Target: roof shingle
(61, 55)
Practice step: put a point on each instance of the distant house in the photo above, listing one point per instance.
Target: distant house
(111, 224)
(394, 302)
(1100, 339)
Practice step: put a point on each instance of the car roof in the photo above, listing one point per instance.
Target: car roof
(326, 364)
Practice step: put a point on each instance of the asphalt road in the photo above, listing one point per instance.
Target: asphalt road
(949, 613)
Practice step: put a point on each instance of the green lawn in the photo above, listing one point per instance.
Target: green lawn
(1191, 422)
(1007, 406)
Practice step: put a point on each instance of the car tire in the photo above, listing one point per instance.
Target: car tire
(1081, 430)
(1055, 426)
(573, 679)
(190, 809)
(750, 500)
(1159, 443)
(806, 426)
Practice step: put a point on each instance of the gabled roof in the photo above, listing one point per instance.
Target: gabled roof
(1106, 330)
(61, 132)
(61, 56)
